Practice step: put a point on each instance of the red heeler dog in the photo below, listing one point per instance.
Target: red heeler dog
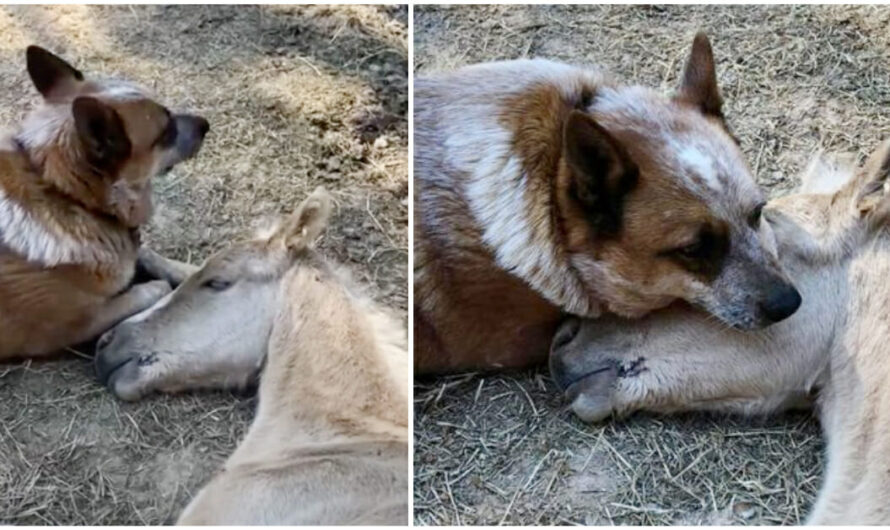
(544, 189)
(75, 185)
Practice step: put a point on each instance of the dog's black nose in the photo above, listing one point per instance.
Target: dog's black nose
(781, 303)
(203, 126)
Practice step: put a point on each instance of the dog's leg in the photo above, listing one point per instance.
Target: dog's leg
(158, 267)
(134, 300)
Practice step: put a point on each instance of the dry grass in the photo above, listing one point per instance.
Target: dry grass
(502, 448)
(296, 97)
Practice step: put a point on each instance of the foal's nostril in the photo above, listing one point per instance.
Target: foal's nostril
(781, 303)
(104, 340)
(566, 332)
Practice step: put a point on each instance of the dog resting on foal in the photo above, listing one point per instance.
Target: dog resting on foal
(329, 444)
(545, 189)
(75, 185)
(834, 239)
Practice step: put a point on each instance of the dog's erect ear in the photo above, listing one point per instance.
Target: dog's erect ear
(699, 85)
(309, 221)
(52, 76)
(101, 132)
(602, 171)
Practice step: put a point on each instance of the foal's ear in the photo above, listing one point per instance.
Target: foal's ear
(309, 221)
(874, 188)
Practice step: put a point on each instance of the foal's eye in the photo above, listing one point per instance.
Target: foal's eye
(217, 284)
(754, 216)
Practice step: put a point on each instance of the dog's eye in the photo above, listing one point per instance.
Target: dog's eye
(754, 216)
(693, 250)
(168, 136)
(704, 255)
(217, 284)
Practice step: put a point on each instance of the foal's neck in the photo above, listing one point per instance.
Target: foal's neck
(337, 366)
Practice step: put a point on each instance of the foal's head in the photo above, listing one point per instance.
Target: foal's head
(212, 331)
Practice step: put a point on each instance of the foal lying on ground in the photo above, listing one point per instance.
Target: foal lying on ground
(329, 444)
(836, 348)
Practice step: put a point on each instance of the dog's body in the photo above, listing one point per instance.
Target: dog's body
(836, 245)
(74, 188)
(543, 188)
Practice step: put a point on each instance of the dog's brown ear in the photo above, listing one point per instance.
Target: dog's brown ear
(51, 75)
(309, 221)
(101, 132)
(699, 85)
(602, 171)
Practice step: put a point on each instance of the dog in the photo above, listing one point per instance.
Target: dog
(75, 185)
(544, 189)
(833, 238)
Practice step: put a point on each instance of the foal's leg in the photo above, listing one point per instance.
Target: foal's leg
(679, 360)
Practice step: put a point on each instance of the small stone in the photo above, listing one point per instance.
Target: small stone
(744, 510)
(381, 142)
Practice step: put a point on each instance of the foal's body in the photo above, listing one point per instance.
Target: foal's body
(344, 458)
(329, 444)
(836, 246)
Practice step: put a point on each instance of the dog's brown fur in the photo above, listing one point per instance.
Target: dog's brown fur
(543, 189)
(74, 188)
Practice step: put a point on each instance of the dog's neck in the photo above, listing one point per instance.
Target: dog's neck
(22, 152)
(45, 224)
(520, 226)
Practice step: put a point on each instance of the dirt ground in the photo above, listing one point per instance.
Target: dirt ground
(503, 448)
(296, 97)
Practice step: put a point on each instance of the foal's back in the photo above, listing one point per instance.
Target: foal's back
(364, 483)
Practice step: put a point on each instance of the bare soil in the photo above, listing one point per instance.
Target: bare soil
(502, 448)
(297, 97)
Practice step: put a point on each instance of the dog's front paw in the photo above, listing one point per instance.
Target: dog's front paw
(147, 294)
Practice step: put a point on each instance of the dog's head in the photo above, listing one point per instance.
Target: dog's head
(101, 141)
(659, 204)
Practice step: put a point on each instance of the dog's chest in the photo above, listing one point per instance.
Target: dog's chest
(46, 233)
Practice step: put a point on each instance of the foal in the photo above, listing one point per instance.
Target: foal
(329, 444)
(836, 247)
